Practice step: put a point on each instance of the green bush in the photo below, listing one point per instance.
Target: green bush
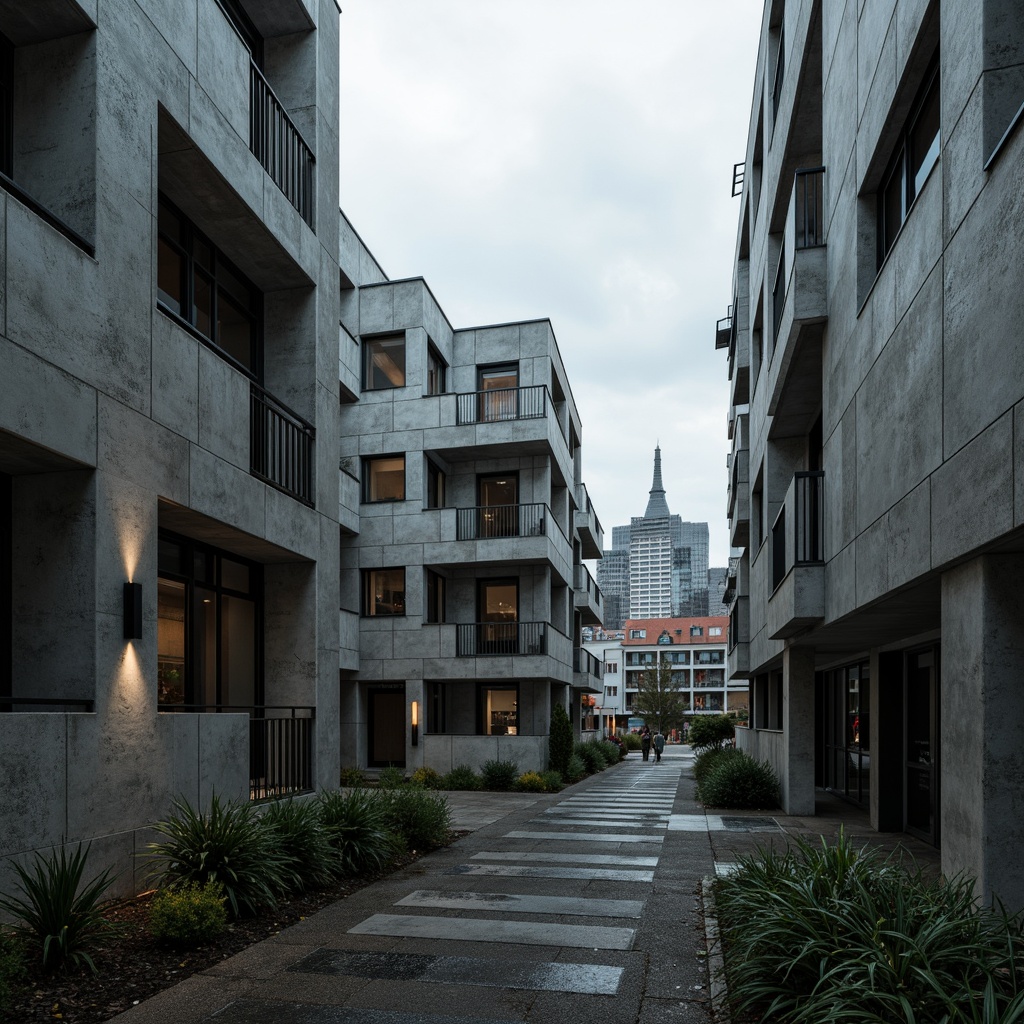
(229, 844)
(613, 753)
(428, 778)
(12, 969)
(499, 775)
(189, 915)
(530, 782)
(710, 731)
(632, 741)
(576, 770)
(592, 756)
(351, 778)
(620, 746)
(420, 820)
(560, 740)
(299, 835)
(740, 782)
(53, 912)
(553, 781)
(710, 758)
(358, 832)
(391, 777)
(462, 777)
(832, 933)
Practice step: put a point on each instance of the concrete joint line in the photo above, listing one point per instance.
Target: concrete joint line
(716, 960)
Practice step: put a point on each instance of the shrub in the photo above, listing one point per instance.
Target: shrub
(52, 911)
(592, 756)
(576, 770)
(499, 775)
(428, 778)
(710, 731)
(710, 758)
(462, 777)
(420, 820)
(613, 753)
(530, 782)
(12, 969)
(351, 778)
(229, 845)
(619, 745)
(632, 741)
(300, 838)
(189, 915)
(357, 830)
(740, 782)
(391, 777)
(560, 740)
(553, 781)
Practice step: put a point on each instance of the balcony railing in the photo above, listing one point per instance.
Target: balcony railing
(281, 446)
(585, 663)
(809, 207)
(280, 745)
(584, 582)
(485, 522)
(738, 174)
(477, 639)
(501, 404)
(723, 330)
(276, 143)
(808, 527)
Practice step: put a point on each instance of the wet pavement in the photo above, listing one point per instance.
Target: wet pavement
(583, 905)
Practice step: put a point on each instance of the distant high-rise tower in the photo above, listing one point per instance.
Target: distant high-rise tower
(658, 565)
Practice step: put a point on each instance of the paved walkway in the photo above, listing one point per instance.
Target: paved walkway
(578, 906)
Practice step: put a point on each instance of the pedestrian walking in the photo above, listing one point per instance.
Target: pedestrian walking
(645, 742)
(659, 746)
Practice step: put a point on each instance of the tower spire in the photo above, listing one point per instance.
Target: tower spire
(657, 506)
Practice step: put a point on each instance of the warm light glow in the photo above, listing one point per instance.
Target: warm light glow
(415, 712)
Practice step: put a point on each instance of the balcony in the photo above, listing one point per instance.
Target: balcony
(280, 446)
(499, 639)
(799, 310)
(588, 526)
(798, 559)
(502, 405)
(723, 330)
(490, 522)
(738, 657)
(276, 143)
(738, 497)
(586, 596)
(586, 670)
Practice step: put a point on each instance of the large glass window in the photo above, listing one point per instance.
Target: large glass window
(499, 392)
(436, 367)
(435, 485)
(200, 286)
(846, 761)
(498, 499)
(498, 615)
(384, 478)
(435, 587)
(384, 362)
(499, 710)
(384, 591)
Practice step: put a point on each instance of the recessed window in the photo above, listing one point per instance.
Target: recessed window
(715, 631)
(638, 634)
(917, 152)
(384, 478)
(200, 286)
(696, 631)
(436, 368)
(384, 362)
(384, 592)
(499, 710)
(435, 485)
(435, 600)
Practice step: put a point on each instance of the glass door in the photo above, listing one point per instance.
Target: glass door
(498, 501)
(498, 615)
(920, 796)
(386, 722)
(499, 392)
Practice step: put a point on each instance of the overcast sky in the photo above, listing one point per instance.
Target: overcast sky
(569, 159)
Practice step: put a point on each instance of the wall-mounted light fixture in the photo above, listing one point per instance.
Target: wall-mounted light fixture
(133, 611)
(415, 723)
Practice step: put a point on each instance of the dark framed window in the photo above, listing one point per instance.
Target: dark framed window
(197, 284)
(384, 478)
(437, 707)
(916, 154)
(384, 591)
(435, 485)
(434, 584)
(498, 709)
(436, 371)
(384, 362)
(780, 75)
(209, 626)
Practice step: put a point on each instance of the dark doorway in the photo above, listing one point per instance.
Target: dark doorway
(498, 501)
(921, 745)
(386, 726)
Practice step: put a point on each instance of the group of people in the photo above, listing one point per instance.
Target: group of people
(647, 741)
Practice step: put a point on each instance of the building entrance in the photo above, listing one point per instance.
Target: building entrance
(921, 744)
(386, 721)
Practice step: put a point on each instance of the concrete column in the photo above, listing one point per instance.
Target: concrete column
(886, 738)
(981, 766)
(797, 781)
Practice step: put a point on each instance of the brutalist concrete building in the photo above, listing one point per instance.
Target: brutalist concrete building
(196, 460)
(877, 370)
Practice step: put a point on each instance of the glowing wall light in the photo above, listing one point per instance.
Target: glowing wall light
(415, 723)
(133, 611)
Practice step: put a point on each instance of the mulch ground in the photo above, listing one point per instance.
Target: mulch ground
(132, 966)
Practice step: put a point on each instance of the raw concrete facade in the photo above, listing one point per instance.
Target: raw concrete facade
(877, 375)
(177, 536)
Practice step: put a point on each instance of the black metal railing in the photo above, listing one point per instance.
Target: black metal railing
(280, 745)
(723, 330)
(276, 143)
(499, 404)
(778, 297)
(738, 174)
(484, 522)
(809, 527)
(585, 663)
(585, 582)
(55, 703)
(281, 446)
(809, 207)
(495, 638)
(779, 549)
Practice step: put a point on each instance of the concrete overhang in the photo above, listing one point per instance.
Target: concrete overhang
(35, 21)
(798, 602)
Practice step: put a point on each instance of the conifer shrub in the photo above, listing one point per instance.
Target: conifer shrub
(577, 769)
(560, 740)
(592, 756)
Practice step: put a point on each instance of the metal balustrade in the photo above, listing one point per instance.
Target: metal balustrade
(808, 519)
(484, 522)
(276, 143)
(808, 207)
(585, 663)
(500, 404)
(281, 446)
(473, 639)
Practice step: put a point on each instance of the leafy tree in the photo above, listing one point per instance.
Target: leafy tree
(560, 741)
(710, 732)
(659, 700)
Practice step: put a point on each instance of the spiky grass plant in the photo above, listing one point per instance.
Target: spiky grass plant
(55, 910)
(357, 830)
(301, 839)
(420, 819)
(739, 782)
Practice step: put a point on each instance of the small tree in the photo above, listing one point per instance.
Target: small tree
(710, 732)
(560, 741)
(659, 700)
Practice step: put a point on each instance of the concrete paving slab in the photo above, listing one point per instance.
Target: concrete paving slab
(584, 837)
(259, 1012)
(527, 871)
(569, 858)
(511, 903)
